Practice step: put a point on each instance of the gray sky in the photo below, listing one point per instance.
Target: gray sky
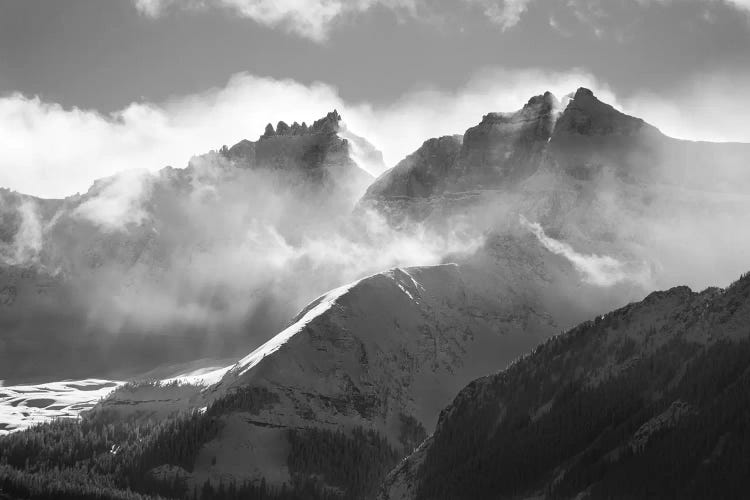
(104, 54)
(653, 57)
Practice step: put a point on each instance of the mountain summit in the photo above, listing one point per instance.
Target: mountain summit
(507, 148)
(319, 152)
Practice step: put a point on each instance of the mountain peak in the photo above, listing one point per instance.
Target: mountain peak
(325, 125)
(583, 93)
(545, 102)
(587, 115)
(328, 124)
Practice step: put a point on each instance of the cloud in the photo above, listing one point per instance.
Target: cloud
(508, 13)
(51, 151)
(314, 19)
(505, 13)
(235, 247)
(739, 4)
(116, 200)
(704, 107)
(311, 19)
(28, 239)
(600, 270)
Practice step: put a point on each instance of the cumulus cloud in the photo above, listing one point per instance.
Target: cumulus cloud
(51, 151)
(311, 19)
(600, 270)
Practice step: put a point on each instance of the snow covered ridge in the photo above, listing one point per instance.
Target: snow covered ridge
(22, 406)
(312, 311)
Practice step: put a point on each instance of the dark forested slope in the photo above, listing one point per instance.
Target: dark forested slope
(649, 401)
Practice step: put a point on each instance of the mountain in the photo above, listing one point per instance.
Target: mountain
(647, 401)
(579, 139)
(600, 181)
(547, 216)
(384, 354)
(321, 152)
(125, 277)
(364, 368)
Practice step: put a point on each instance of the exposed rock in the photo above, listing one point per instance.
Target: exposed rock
(269, 132)
(283, 129)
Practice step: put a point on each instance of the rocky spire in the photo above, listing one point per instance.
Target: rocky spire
(327, 124)
(587, 115)
(269, 132)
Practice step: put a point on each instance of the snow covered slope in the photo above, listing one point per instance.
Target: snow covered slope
(160, 392)
(22, 406)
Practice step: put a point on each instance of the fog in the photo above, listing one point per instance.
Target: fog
(213, 258)
(600, 270)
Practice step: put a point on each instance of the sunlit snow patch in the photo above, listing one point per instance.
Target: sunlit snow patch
(22, 406)
(201, 376)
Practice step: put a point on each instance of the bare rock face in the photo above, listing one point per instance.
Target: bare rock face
(502, 148)
(421, 174)
(586, 115)
(508, 152)
(506, 147)
(318, 153)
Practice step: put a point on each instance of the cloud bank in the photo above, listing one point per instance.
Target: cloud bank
(50, 151)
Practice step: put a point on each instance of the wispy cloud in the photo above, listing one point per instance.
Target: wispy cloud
(314, 19)
(600, 270)
(311, 19)
(504, 13)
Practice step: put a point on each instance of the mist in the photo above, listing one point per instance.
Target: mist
(205, 261)
(213, 259)
(600, 270)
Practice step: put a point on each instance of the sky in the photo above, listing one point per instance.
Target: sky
(92, 87)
